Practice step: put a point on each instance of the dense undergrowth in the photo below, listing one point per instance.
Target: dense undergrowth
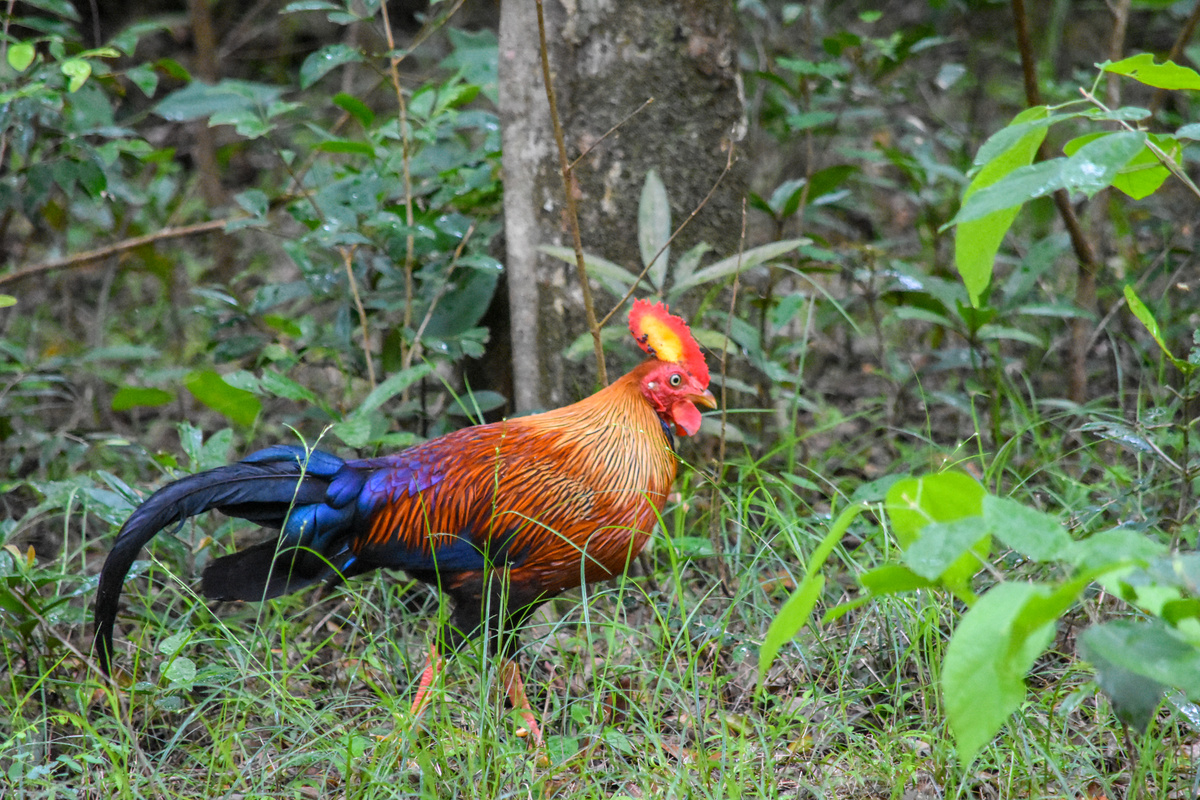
(353, 303)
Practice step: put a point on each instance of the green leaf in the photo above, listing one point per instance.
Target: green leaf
(913, 503)
(1032, 533)
(355, 108)
(391, 387)
(77, 71)
(20, 56)
(347, 146)
(943, 545)
(654, 228)
(913, 507)
(7, 300)
(1136, 661)
(612, 275)
(233, 99)
(329, 57)
(1142, 68)
(1142, 176)
(145, 77)
(240, 406)
(1092, 168)
(1144, 316)
(983, 675)
(128, 397)
(976, 242)
(181, 673)
(893, 579)
(727, 266)
(282, 386)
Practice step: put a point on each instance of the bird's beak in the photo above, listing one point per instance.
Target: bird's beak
(707, 400)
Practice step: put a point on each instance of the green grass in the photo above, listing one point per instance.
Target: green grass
(647, 689)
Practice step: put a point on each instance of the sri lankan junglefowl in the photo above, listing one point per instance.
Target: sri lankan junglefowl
(500, 517)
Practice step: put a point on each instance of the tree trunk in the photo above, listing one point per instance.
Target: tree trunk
(606, 60)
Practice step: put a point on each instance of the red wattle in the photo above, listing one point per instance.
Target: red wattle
(686, 417)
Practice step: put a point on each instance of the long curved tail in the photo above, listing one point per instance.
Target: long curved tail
(280, 487)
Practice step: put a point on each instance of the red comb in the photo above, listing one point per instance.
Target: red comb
(666, 337)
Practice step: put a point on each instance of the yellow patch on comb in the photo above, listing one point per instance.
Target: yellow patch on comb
(660, 338)
(666, 337)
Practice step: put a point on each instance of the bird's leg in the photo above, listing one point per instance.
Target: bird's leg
(510, 674)
(433, 667)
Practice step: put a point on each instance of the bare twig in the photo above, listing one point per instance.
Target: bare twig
(348, 261)
(589, 307)
(406, 175)
(609, 132)
(116, 247)
(412, 351)
(666, 244)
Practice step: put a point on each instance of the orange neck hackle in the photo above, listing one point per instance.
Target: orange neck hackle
(666, 337)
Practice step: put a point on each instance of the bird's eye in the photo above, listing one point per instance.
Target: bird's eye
(676, 379)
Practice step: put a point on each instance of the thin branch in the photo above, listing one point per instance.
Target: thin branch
(406, 175)
(609, 132)
(116, 247)
(348, 261)
(682, 225)
(1085, 254)
(589, 307)
(416, 343)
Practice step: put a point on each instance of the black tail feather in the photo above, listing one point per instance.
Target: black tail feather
(261, 492)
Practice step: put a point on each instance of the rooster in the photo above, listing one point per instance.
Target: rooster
(500, 517)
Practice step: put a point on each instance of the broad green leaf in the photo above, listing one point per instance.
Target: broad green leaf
(240, 406)
(1143, 175)
(231, 98)
(654, 228)
(391, 387)
(976, 242)
(1096, 164)
(983, 675)
(181, 672)
(7, 300)
(613, 276)
(282, 386)
(727, 266)
(328, 58)
(1032, 533)
(128, 397)
(1115, 548)
(913, 504)
(1144, 316)
(1142, 68)
(893, 579)
(1089, 170)
(20, 56)
(1136, 661)
(943, 545)
(355, 107)
(77, 71)
(347, 146)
